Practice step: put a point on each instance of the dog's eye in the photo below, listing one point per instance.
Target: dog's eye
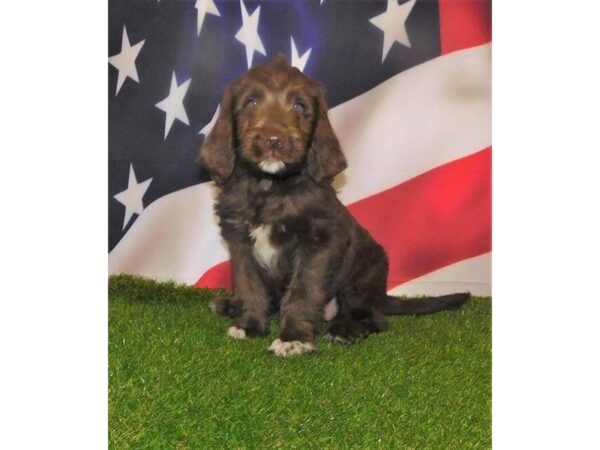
(300, 106)
(251, 103)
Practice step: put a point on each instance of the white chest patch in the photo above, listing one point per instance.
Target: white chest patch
(264, 251)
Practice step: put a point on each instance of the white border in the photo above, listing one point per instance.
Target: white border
(53, 322)
(545, 225)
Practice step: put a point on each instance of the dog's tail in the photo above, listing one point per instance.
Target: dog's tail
(395, 306)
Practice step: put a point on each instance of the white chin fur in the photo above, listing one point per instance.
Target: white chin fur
(271, 166)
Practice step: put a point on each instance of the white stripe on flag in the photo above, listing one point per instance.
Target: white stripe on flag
(429, 115)
(175, 238)
(471, 275)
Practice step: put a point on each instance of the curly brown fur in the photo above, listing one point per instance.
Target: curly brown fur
(293, 245)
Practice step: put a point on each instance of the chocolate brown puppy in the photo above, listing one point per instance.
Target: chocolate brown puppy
(294, 247)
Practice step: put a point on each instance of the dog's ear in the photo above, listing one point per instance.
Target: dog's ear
(325, 158)
(217, 155)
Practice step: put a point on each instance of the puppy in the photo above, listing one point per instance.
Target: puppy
(294, 247)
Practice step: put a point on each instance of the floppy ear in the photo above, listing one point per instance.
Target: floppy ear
(216, 154)
(325, 158)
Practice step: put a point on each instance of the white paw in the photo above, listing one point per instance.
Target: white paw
(285, 349)
(236, 332)
(213, 306)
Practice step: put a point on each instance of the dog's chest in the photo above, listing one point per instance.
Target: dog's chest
(264, 250)
(271, 238)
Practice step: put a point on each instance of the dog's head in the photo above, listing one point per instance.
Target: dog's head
(274, 122)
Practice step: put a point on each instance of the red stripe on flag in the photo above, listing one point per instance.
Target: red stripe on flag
(464, 24)
(218, 276)
(435, 219)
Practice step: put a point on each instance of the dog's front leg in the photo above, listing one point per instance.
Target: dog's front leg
(250, 296)
(302, 305)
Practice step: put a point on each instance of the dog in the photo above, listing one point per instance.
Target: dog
(294, 247)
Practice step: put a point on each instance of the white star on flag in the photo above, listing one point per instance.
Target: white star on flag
(205, 7)
(173, 104)
(125, 61)
(299, 61)
(209, 126)
(393, 24)
(248, 34)
(132, 196)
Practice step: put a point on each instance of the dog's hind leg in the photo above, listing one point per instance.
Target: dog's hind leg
(355, 322)
(359, 314)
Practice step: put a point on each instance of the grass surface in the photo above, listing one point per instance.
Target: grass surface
(177, 381)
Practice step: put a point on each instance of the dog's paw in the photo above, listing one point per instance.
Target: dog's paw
(345, 340)
(237, 333)
(291, 348)
(347, 332)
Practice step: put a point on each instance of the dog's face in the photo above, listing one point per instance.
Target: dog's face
(275, 112)
(274, 122)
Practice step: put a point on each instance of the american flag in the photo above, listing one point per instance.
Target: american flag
(409, 89)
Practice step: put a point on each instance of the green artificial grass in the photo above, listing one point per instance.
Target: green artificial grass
(177, 381)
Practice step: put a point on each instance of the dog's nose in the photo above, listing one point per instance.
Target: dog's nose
(271, 137)
(274, 140)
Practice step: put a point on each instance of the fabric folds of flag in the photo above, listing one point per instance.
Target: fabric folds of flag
(418, 147)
